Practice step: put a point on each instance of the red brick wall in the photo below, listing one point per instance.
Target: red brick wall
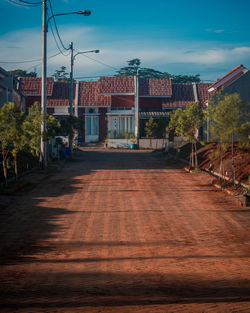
(103, 124)
(122, 101)
(150, 103)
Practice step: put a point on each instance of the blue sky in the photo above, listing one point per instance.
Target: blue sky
(180, 37)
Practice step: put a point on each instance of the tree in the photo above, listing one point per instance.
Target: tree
(21, 73)
(186, 123)
(229, 120)
(68, 125)
(151, 127)
(135, 64)
(61, 75)
(32, 128)
(11, 134)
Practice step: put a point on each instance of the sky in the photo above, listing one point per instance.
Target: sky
(179, 37)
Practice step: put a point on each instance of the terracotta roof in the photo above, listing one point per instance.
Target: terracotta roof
(183, 94)
(60, 95)
(90, 95)
(155, 87)
(230, 76)
(32, 85)
(117, 85)
(203, 94)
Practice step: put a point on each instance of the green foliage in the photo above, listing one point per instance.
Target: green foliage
(67, 125)
(61, 75)
(151, 127)
(11, 134)
(135, 64)
(187, 122)
(32, 128)
(21, 73)
(11, 131)
(176, 122)
(228, 118)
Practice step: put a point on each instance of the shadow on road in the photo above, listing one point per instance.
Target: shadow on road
(110, 289)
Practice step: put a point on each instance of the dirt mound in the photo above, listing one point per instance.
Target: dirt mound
(213, 157)
(216, 158)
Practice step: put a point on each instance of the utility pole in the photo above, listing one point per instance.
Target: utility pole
(43, 155)
(71, 93)
(137, 134)
(72, 58)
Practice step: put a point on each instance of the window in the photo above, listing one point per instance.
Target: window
(92, 125)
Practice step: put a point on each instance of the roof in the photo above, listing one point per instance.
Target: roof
(154, 87)
(235, 73)
(90, 95)
(203, 94)
(155, 114)
(60, 94)
(183, 94)
(4, 72)
(124, 85)
(32, 85)
(117, 85)
(98, 93)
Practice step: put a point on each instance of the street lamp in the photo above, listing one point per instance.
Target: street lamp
(72, 59)
(45, 21)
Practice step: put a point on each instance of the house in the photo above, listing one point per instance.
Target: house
(236, 81)
(9, 90)
(107, 106)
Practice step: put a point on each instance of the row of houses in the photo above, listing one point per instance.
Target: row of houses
(107, 107)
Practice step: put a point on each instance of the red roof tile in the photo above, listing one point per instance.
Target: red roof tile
(90, 95)
(183, 94)
(32, 85)
(117, 85)
(155, 87)
(60, 95)
(203, 94)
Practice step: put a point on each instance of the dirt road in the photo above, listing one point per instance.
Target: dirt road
(123, 232)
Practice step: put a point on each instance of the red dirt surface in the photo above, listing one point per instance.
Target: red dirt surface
(120, 231)
(241, 161)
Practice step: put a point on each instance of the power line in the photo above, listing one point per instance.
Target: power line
(85, 77)
(30, 61)
(19, 62)
(31, 3)
(58, 47)
(51, 9)
(19, 3)
(97, 61)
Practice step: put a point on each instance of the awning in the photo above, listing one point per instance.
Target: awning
(146, 115)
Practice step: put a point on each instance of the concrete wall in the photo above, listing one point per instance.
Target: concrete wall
(119, 143)
(147, 143)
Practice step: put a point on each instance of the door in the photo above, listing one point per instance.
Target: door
(91, 128)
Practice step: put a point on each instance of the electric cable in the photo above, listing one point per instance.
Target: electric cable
(58, 35)
(97, 61)
(31, 3)
(58, 47)
(18, 3)
(30, 61)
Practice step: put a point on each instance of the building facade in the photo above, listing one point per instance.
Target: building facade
(107, 107)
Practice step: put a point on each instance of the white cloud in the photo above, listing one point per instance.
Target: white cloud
(160, 54)
(217, 31)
